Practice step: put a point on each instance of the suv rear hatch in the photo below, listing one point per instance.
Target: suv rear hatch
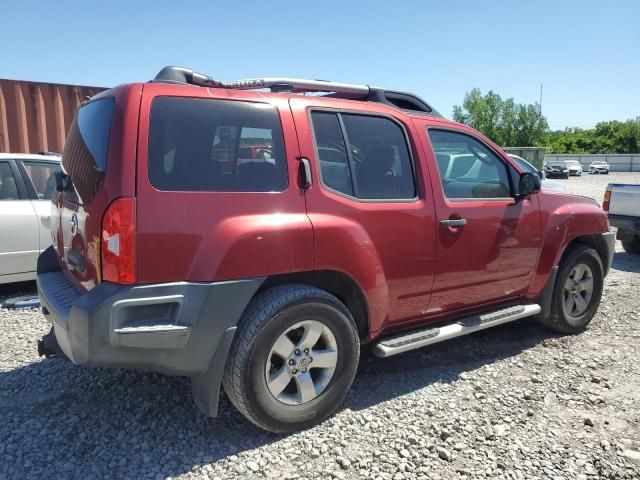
(98, 178)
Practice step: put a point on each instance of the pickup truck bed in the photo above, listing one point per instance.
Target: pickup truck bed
(622, 201)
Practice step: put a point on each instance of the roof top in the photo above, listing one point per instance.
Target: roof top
(402, 100)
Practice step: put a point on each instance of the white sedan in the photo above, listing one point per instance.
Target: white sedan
(27, 182)
(574, 166)
(528, 167)
(599, 166)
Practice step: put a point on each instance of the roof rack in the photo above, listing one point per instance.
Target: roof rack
(402, 100)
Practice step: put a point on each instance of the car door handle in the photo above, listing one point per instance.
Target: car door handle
(457, 222)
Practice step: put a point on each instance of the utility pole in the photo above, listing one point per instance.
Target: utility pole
(540, 103)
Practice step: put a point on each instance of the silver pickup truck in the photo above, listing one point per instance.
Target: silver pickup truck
(622, 202)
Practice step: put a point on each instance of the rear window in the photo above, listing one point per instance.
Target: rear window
(86, 149)
(215, 145)
(42, 176)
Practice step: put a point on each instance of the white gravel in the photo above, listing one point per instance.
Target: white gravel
(514, 402)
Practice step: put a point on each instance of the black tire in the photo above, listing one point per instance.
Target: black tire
(559, 320)
(632, 246)
(269, 315)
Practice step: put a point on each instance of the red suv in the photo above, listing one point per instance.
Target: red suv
(250, 236)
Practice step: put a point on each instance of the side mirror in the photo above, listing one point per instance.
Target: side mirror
(62, 181)
(541, 174)
(529, 183)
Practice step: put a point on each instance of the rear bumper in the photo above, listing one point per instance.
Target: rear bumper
(172, 328)
(624, 224)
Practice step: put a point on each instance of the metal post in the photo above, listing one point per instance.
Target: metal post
(540, 104)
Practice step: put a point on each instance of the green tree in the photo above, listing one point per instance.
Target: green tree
(502, 120)
(606, 137)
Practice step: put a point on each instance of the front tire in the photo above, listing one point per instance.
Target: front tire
(293, 359)
(577, 291)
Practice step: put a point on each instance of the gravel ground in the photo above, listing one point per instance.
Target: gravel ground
(514, 402)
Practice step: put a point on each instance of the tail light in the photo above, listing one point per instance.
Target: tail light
(607, 199)
(118, 243)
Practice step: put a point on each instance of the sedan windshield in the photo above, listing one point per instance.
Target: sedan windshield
(523, 164)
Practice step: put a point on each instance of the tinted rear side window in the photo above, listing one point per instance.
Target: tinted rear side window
(215, 145)
(376, 165)
(332, 153)
(379, 148)
(87, 147)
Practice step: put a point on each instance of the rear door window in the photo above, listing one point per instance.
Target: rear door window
(364, 156)
(42, 177)
(215, 145)
(332, 153)
(87, 147)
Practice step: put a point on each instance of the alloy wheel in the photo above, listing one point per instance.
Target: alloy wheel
(578, 290)
(301, 362)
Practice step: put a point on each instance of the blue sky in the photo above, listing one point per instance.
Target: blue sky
(586, 53)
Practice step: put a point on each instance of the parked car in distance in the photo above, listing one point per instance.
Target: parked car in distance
(556, 169)
(622, 203)
(27, 182)
(599, 166)
(371, 219)
(575, 169)
(546, 183)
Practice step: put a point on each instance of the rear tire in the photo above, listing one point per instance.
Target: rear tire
(277, 375)
(577, 292)
(632, 246)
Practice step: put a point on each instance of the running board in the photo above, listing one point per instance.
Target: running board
(405, 341)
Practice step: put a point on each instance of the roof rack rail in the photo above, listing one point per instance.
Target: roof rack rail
(402, 100)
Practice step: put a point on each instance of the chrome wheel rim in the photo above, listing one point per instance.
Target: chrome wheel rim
(578, 290)
(301, 362)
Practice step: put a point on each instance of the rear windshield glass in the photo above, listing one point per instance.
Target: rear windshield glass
(215, 145)
(86, 149)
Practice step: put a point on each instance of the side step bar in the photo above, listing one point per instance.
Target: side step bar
(405, 341)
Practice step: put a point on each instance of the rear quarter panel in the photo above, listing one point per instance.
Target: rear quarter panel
(214, 236)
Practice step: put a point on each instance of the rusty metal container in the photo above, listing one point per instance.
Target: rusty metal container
(35, 116)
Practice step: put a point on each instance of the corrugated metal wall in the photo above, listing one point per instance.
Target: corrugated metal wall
(36, 117)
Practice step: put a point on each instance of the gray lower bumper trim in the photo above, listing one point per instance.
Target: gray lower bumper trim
(172, 328)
